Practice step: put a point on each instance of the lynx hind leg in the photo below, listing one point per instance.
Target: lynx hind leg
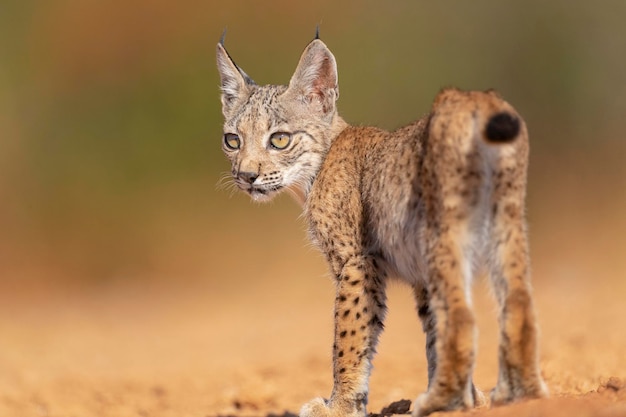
(451, 181)
(519, 375)
(427, 317)
(453, 336)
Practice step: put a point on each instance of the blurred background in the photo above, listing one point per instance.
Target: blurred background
(119, 251)
(110, 124)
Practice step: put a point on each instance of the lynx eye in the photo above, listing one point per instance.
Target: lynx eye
(231, 141)
(280, 140)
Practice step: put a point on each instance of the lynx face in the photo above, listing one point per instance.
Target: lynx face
(269, 149)
(276, 136)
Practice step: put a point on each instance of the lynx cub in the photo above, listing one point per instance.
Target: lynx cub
(426, 203)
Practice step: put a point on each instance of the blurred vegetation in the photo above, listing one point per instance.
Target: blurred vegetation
(110, 122)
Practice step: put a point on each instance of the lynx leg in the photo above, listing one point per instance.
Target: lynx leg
(359, 313)
(450, 385)
(429, 326)
(451, 178)
(519, 375)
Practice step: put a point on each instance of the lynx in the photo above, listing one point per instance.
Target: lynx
(428, 204)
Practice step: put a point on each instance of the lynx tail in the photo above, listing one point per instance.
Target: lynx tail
(502, 127)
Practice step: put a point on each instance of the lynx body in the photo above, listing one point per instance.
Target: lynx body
(428, 203)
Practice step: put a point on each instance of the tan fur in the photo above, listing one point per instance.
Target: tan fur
(427, 203)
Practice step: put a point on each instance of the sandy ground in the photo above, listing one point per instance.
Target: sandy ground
(260, 348)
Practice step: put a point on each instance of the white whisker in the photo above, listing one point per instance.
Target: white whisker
(224, 181)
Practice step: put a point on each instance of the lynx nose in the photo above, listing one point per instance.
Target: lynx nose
(248, 177)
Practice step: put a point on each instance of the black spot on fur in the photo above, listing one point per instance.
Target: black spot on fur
(503, 127)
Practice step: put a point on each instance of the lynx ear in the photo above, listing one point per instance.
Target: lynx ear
(234, 81)
(315, 79)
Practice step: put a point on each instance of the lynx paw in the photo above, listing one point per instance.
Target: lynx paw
(479, 397)
(505, 393)
(320, 407)
(317, 407)
(430, 402)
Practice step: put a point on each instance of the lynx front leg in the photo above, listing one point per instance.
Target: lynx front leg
(359, 314)
(429, 326)
(519, 375)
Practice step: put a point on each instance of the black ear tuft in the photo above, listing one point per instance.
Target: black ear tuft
(223, 37)
(502, 127)
(317, 31)
(234, 82)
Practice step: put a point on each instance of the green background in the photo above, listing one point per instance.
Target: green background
(110, 124)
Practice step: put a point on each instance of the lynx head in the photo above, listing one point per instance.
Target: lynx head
(276, 136)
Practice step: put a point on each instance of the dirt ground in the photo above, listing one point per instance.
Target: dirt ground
(260, 348)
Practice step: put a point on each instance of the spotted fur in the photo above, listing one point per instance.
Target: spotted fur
(428, 203)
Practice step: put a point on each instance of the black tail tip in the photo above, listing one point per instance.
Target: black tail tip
(503, 127)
